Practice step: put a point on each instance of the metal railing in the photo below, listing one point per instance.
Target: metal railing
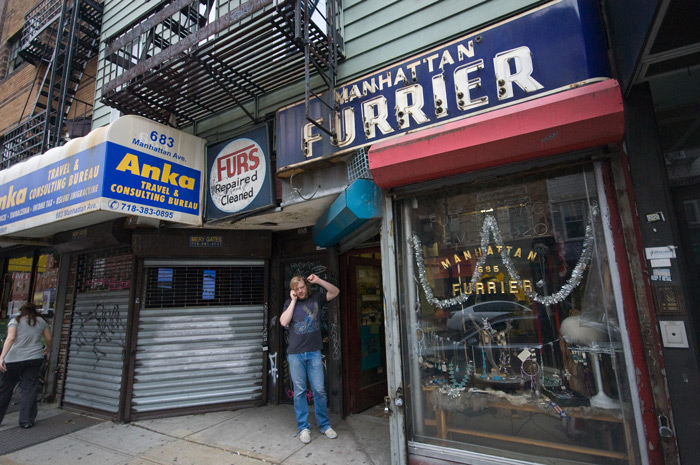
(36, 22)
(187, 60)
(59, 37)
(23, 141)
(26, 140)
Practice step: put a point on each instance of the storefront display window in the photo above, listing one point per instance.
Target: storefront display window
(19, 287)
(105, 273)
(46, 282)
(513, 336)
(16, 283)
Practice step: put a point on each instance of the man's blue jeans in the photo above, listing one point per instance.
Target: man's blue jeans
(301, 365)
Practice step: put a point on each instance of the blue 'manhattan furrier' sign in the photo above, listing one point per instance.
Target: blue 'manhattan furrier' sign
(544, 51)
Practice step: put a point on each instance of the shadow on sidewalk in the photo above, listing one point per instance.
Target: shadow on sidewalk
(52, 427)
(50, 424)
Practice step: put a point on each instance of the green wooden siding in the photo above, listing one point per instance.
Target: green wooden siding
(117, 14)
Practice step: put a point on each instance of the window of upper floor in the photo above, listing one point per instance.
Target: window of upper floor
(14, 59)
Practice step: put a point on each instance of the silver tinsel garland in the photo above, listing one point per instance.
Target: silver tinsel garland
(490, 227)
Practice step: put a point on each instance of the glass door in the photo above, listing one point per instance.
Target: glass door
(687, 201)
(367, 364)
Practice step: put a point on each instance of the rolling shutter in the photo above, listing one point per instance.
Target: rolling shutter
(96, 354)
(200, 335)
(97, 344)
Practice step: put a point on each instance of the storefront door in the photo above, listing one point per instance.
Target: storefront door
(688, 208)
(367, 357)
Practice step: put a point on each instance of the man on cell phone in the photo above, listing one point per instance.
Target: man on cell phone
(302, 317)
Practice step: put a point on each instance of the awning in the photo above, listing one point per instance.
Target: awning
(360, 202)
(132, 167)
(575, 119)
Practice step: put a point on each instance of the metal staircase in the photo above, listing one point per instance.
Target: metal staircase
(60, 38)
(179, 63)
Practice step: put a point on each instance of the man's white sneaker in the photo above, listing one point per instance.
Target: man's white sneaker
(305, 436)
(330, 433)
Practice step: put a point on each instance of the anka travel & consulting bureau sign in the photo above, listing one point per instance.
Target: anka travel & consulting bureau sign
(132, 167)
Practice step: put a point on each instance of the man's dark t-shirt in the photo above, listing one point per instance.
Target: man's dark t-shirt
(305, 327)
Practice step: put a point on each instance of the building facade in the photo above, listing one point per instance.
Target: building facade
(47, 98)
(503, 191)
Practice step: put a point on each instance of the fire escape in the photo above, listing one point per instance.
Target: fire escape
(187, 60)
(59, 38)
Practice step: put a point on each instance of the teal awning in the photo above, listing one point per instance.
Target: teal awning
(358, 203)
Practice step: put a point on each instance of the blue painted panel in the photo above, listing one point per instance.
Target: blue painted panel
(360, 202)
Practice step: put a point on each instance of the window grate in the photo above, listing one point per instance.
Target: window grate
(358, 168)
(105, 271)
(204, 286)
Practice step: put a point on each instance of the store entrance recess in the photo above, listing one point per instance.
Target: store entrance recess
(366, 357)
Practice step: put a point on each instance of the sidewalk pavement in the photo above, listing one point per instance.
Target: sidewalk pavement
(242, 437)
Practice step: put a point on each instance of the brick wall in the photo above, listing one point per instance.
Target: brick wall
(18, 90)
(14, 17)
(86, 91)
(15, 88)
(17, 97)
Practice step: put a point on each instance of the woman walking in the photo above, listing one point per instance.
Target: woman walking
(21, 360)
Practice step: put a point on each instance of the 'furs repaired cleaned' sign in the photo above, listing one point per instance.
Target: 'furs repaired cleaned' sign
(239, 175)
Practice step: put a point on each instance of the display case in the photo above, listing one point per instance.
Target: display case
(512, 327)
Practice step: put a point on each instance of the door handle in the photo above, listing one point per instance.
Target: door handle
(664, 430)
(399, 398)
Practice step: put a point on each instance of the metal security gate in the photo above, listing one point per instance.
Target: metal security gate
(200, 335)
(96, 355)
(98, 330)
